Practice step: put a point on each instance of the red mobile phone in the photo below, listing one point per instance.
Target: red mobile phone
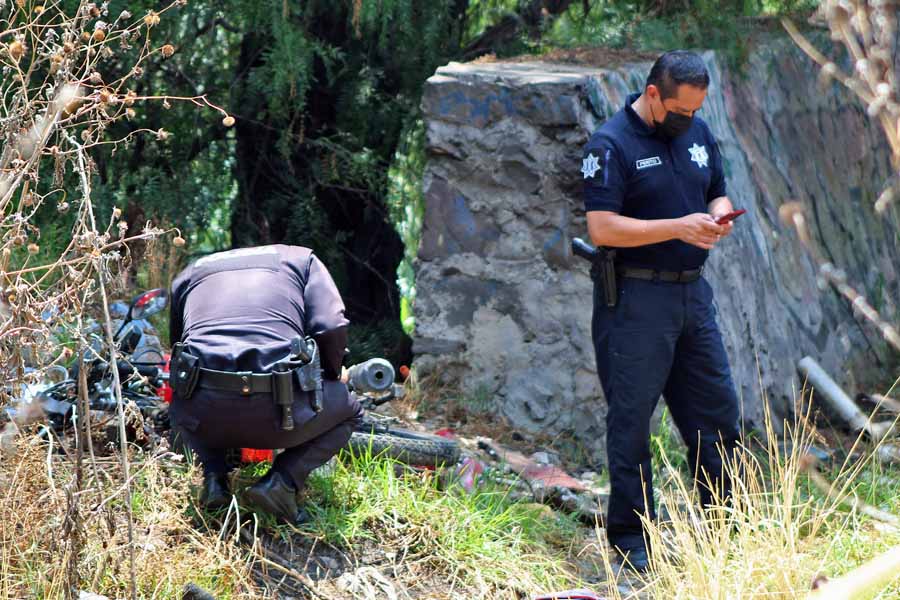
(730, 216)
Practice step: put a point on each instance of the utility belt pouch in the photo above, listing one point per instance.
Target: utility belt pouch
(184, 372)
(283, 391)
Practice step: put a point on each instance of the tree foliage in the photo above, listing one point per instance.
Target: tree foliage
(323, 94)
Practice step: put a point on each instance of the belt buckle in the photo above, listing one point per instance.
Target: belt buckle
(246, 382)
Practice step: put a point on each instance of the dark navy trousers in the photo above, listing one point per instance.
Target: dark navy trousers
(212, 421)
(661, 339)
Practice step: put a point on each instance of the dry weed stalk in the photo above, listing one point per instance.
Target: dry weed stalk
(767, 541)
(809, 465)
(863, 582)
(171, 551)
(791, 214)
(65, 80)
(868, 30)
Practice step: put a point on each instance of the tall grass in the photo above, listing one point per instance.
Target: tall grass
(420, 535)
(778, 533)
(43, 511)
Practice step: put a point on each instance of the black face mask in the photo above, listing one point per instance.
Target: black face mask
(672, 125)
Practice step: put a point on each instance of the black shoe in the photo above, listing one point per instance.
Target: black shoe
(215, 493)
(634, 559)
(276, 495)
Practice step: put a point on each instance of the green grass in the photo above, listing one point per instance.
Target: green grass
(483, 540)
(422, 531)
(665, 445)
(850, 539)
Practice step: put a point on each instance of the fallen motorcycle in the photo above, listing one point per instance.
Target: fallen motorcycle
(373, 382)
(143, 370)
(140, 364)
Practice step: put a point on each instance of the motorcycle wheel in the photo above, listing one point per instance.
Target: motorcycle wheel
(409, 447)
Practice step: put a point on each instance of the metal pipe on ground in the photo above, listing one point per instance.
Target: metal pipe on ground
(863, 582)
(837, 399)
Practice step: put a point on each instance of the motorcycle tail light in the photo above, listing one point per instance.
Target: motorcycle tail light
(252, 455)
(165, 390)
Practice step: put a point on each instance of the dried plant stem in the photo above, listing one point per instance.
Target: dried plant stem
(821, 59)
(113, 360)
(865, 33)
(73, 524)
(792, 214)
(838, 279)
(842, 497)
(887, 402)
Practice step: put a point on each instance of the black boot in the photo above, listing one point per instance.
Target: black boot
(215, 493)
(634, 559)
(275, 494)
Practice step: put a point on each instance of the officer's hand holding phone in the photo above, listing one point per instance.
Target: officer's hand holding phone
(726, 219)
(701, 230)
(727, 226)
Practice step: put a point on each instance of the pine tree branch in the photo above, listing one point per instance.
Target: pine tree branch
(531, 17)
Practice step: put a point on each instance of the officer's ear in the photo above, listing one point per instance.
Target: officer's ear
(653, 92)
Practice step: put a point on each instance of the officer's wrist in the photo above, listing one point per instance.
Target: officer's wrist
(674, 228)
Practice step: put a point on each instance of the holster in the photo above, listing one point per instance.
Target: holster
(185, 371)
(302, 364)
(309, 375)
(603, 272)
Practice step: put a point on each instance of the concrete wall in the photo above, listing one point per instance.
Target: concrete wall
(502, 302)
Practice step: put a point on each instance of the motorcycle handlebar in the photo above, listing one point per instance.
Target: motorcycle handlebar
(373, 376)
(126, 368)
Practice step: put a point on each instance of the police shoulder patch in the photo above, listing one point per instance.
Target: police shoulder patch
(590, 165)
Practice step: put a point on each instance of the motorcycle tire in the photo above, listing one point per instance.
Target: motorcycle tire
(408, 447)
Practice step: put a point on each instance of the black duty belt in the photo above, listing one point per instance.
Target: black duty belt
(243, 382)
(654, 275)
(301, 369)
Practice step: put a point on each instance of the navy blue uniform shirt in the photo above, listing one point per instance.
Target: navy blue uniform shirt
(628, 169)
(238, 310)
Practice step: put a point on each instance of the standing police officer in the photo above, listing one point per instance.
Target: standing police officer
(260, 337)
(654, 187)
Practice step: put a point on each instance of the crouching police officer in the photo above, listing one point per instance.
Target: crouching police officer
(261, 337)
(654, 187)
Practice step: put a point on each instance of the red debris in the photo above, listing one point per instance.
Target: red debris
(446, 432)
(552, 476)
(549, 475)
(469, 472)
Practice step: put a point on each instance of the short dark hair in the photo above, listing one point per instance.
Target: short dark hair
(676, 68)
